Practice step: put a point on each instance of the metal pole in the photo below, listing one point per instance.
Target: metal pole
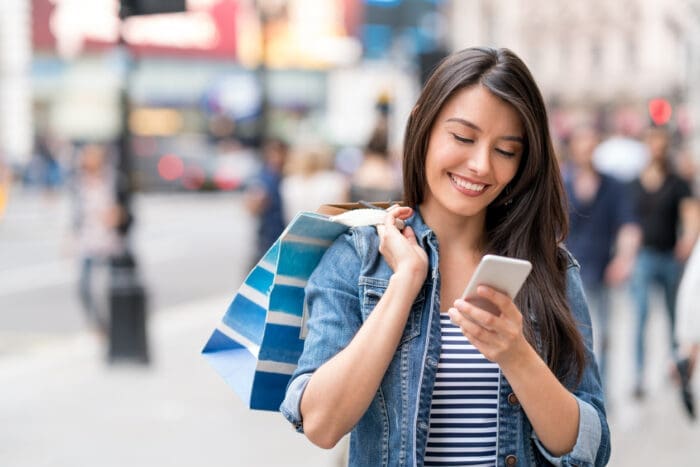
(127, 295)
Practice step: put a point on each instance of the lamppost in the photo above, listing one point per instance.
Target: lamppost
(127, 295)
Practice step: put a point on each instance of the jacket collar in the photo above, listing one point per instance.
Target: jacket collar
(421, 229)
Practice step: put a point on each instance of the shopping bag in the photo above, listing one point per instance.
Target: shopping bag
(257, 344)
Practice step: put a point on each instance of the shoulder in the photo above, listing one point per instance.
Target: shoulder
(352, 252)
(680, 185)
(568, 258)
(574, 287)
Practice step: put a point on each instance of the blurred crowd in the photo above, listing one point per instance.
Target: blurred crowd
(633, 208)
(634, 220)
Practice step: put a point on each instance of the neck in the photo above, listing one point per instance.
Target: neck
(585, 169)
(657, 166)
(465, 234)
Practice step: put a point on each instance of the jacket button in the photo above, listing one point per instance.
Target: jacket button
(511, 460)
(513, 399)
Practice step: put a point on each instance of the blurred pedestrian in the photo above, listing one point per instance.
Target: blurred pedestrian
(311, 181)
(603, 234)
(621, 155)
(688, 327)
(395, 355)
(97, 216)
(668, 216)
(376, 179)
(263, 198)
(44, 168)
(5, 185)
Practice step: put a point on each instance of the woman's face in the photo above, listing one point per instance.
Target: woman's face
(474, 151)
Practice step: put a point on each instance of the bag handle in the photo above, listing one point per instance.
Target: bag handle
(334, 209)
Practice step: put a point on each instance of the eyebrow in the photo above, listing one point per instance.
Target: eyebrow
(517, 139)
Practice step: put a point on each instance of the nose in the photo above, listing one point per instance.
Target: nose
(479, 162)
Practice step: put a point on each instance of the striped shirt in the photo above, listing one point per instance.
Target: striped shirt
(464, 410)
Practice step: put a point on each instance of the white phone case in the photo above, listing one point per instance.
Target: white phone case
(500, 272)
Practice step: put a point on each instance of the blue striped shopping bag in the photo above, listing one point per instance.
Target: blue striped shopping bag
(256, 345)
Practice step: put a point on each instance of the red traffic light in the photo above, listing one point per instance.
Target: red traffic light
(660, 111)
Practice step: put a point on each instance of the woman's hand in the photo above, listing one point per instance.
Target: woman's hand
(498, 336)
(400, 248)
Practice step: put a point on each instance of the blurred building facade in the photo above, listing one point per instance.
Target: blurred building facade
(586, 51)
(598, 56)
(15, 91)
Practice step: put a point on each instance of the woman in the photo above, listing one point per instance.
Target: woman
(667, 212)
(480, 176)
(687, 328)
(376, 178)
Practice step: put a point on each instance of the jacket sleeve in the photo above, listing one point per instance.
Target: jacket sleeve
(592, 446)
(331, 296)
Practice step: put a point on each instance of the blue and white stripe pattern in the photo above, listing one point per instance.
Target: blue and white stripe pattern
(464, 410)
(258, 342)
(257, 345)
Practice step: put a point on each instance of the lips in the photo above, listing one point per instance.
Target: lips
(467, 186)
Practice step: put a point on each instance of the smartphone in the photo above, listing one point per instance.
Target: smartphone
(504, 274)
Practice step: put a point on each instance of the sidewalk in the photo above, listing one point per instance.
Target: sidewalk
(62, 406)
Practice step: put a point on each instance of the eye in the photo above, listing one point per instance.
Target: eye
(461, 139)
(505, 153)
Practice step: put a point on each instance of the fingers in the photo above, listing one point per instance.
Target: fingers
(396, 214)
(476, 315)
(470, 328)
(400, 212)
(388, 227)
(489, 317)
(502, 301)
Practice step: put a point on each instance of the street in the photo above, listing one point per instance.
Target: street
(62, 406)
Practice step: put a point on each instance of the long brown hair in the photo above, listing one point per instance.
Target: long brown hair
(529, 218)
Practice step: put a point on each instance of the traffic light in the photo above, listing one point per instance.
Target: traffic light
(150, 7)
(660, 111)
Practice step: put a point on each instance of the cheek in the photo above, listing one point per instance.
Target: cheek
(507, 168)
(442, 155)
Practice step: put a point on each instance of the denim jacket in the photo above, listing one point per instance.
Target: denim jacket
(342, 292)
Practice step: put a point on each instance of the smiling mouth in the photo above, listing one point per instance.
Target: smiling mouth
(466, 185)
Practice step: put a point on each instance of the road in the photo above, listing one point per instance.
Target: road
(62, 406)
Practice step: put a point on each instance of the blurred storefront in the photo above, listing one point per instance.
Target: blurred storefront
(226, 72)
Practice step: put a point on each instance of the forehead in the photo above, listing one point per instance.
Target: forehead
(481, 107)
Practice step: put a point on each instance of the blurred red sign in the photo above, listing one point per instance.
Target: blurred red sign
(660, 111)
(69, 27)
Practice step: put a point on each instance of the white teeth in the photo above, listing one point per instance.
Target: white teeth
(466, 185)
